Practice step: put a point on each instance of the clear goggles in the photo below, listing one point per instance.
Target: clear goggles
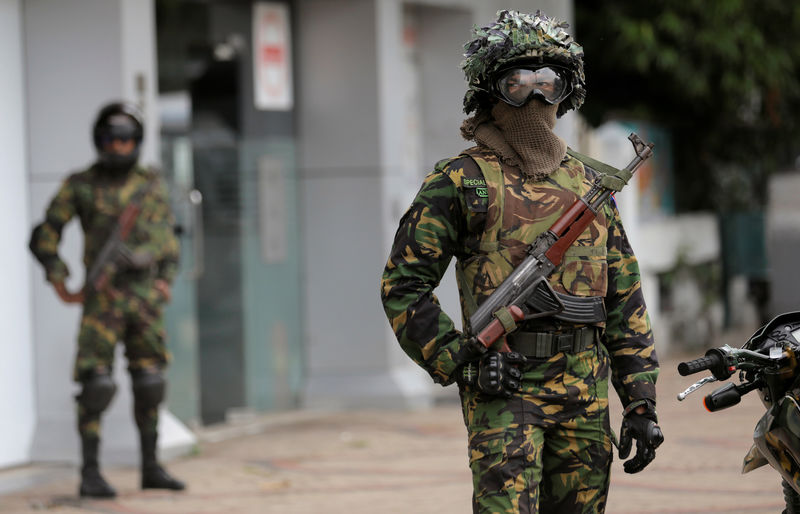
(516, 86)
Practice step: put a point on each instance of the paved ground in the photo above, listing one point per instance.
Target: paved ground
(413, 462)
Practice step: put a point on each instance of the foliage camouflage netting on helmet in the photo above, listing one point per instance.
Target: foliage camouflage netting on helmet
(524, 37)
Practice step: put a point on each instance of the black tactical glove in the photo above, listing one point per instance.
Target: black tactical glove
(644, 428)
(494, 374)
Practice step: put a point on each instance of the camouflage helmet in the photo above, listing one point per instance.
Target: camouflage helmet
(525, 38)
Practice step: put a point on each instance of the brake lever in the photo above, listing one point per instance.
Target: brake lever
(697, 385)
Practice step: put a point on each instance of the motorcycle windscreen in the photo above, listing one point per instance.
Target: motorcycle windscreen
(777, 437)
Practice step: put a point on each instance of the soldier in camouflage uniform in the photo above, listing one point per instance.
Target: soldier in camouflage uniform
(129, 308)
(537, 416)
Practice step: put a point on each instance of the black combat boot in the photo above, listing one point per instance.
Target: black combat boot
(153, 475)
(93, 484)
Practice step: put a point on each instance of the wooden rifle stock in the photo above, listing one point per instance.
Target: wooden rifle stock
(495, 330)
(568, 228)
(99, 276)
(128, 219)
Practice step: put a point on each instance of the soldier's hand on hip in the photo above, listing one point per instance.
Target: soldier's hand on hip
(641, 425)
(163, 287)
(65, 295)
(495, 374)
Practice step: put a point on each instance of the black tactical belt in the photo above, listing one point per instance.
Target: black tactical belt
(133, 275)
(541, 345)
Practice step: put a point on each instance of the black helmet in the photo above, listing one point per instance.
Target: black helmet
(118, 120)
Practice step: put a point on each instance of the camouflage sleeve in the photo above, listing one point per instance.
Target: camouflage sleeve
(161, 229)
(47, 235)
(423, 246)
(628, 336)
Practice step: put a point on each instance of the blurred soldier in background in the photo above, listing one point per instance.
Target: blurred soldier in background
(537, 416)
(131, 255)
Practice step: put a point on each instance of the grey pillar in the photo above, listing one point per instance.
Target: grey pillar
(341, 117)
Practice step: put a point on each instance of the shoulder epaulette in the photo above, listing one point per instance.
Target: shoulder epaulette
(464, 170)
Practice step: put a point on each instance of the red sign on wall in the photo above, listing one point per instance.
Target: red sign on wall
(272, 56)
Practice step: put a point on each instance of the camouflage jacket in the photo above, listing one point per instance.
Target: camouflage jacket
(487, 231)
(98, 199)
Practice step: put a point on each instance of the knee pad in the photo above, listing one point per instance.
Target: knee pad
(97, 393)
(148, 388)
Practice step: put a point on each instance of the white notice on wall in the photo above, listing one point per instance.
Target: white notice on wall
(272, 65)
(272, 210)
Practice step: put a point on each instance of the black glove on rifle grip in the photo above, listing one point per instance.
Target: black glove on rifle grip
(495, 373)
(644, 428)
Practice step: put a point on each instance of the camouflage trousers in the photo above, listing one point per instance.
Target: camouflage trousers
(547, 449)
(131, 313)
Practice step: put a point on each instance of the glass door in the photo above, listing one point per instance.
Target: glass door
(232, 171)
(181, 314)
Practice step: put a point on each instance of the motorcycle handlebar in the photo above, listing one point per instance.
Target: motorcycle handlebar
(709, 361)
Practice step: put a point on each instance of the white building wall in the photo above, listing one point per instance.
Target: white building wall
(18, 411)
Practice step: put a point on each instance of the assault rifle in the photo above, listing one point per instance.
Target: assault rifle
(526, 293)
(115, 251)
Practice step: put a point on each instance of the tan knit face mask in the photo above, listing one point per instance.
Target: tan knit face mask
(528, 130)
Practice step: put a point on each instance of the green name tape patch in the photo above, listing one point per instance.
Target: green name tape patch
(474, 182)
